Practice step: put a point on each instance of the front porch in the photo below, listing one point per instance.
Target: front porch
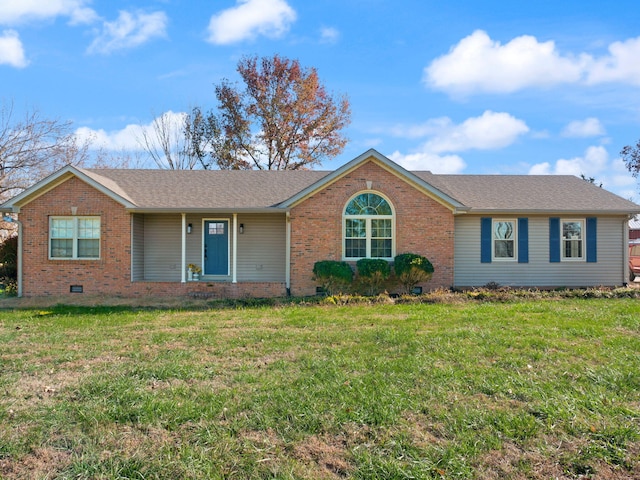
(229, 250)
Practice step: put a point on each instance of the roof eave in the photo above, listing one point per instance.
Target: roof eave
(206, 210)
(504, 211)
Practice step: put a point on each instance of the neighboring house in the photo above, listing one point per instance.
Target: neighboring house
(634, 229)
(259, 233)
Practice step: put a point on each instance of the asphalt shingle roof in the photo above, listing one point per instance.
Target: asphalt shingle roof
(528, 193)
(259, 189)
(206, 189)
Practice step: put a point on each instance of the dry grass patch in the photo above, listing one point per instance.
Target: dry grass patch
(37, 464)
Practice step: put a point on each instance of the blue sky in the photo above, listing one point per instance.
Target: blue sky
(453, 87)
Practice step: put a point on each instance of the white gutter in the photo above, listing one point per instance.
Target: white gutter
(183, 274)
(234, 271)
(287, 278)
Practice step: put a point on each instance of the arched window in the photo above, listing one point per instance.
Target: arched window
(368, 227)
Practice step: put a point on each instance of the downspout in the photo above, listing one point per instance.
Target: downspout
(625, 249)
(234, 270)
(287, 269)
(131, 249)
(19, 257)
(183, 268)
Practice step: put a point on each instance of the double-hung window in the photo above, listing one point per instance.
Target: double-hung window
(368, 227)
(74, 237)
(504, 240)
(572, 247)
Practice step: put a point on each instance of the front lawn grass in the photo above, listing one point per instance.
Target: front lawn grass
(531, 389)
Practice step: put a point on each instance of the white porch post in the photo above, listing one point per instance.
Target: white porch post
(183, 266)
(234, 270)
(287, 255)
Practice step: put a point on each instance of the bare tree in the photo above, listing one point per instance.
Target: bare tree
(32, 147)
(631, 156)
(168, 143)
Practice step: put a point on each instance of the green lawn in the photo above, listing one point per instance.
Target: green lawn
(530, 389)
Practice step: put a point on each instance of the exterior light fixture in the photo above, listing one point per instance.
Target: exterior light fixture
(241, 229)
(189, 228)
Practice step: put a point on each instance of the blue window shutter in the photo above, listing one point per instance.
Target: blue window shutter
(554, 239)
(592, 239)
(485, 240)
(523, 240)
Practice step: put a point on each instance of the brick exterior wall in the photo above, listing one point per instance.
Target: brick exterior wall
(422, 226)
(111, 274)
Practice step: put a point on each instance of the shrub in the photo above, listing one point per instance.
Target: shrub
(9, 260)
(412, 269)
(372, 274)
(333, 276)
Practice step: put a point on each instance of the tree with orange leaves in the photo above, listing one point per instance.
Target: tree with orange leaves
(284, 119)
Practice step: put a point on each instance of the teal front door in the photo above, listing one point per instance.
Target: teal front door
(216, 247)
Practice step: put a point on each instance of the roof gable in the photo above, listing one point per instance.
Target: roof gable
(392, 167)
(59, 177)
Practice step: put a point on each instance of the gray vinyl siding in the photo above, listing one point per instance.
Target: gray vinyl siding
(162, 248)
(262, 248)
(539, 272)
(137, 247)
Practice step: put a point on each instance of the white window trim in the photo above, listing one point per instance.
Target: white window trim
(368, 219)
(74, 255)
(583, 240)
(494, 239)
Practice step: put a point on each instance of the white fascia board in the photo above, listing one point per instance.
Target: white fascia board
(52, 181)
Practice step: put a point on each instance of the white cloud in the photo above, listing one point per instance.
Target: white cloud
(329, 35)
(125, 139)
(491, 130)
(429, 161)
(540, 169)
(479, 64)
(129, 30)
(250, 18)
(130, 138)
(20, 11)
(589, 127)
(594, 162)
(11, 50)
(620, 66)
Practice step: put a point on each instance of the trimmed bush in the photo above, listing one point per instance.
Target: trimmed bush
(372, 274)
(412, 269)
(332, 275)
